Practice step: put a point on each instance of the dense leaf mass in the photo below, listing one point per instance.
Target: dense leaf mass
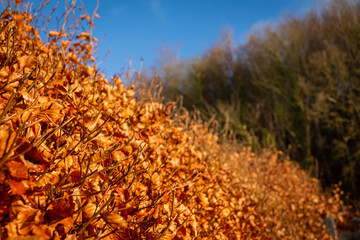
(82, 158)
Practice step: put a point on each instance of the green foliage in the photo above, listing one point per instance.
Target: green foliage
(294, 86)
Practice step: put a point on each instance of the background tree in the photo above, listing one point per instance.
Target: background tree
(294, 86)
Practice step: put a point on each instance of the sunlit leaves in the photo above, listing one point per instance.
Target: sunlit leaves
(82, 158)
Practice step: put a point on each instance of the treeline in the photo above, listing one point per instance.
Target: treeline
(294, 86)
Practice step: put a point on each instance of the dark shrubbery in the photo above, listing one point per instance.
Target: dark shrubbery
(295, 86)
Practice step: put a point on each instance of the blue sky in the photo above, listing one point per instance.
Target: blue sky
(139, 28)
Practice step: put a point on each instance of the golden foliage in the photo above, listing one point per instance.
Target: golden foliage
(82, 158)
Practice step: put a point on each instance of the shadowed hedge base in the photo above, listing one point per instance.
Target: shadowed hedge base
(293, 86)
(82, 158)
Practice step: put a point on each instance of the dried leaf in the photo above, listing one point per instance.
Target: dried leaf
(31, 153)
(54, 34)
(203, 199)
(7, 136)
(182, 230)
(17, 168)
(115, 220)
(156, 179)
(23, 60)
(18, 1)
(18, 188)
(62, 208)
(85, 16)
(42, 230)
(75, 176)
(89, 210)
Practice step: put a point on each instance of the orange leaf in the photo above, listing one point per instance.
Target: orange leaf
(18, 188)
(23, 60)
(84, 35)
(183, 231)
(19, 19)
(42, 230)
(7, 136)
(156, 179)
(67, 222)
(54, 34)
(89, 210)
(85, 16)
(75, 176)
(17, 168)
(203, 199)
(31, 153)
(115, 220)
(62, 208)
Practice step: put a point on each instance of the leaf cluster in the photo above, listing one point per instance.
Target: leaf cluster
(81, 158)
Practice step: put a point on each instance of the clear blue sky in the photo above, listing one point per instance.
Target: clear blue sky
(135, 28)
